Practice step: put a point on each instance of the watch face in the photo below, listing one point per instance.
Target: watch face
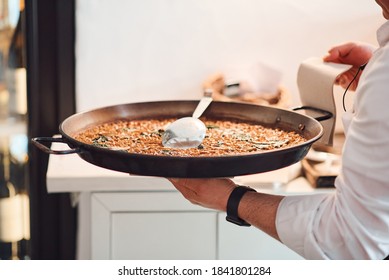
(237, 221)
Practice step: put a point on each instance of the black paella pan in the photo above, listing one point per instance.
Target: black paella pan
(187, 167)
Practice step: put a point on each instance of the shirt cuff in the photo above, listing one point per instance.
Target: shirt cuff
(294, 224)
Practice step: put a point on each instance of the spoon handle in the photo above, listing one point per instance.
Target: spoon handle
(203, 104)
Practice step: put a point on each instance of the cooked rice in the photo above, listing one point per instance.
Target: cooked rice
(224, 137)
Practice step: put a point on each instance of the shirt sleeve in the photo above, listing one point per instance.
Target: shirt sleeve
(347, 224)
(294, 224)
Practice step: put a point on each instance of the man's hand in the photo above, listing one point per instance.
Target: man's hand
(209, 193)
(353, 54)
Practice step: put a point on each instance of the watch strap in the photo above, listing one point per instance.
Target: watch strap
(233, 204)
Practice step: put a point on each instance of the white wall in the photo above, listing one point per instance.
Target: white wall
(142, 50)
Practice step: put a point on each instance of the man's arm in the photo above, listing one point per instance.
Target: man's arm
(257, 209)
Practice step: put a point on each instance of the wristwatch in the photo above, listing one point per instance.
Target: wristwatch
(233, 203)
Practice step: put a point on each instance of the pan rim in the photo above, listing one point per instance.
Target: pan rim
(191, 158)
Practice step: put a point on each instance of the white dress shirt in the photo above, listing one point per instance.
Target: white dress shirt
(352, 222)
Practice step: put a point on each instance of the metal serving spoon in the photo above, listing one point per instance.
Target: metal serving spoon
(188, 132)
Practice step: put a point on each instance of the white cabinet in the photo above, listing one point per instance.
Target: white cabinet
(163, 225)
(159, 225)
(163, 235)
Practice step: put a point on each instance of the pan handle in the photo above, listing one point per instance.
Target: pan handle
(37, 141)
(326, 115)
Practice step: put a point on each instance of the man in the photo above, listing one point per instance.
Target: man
(352, 222)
